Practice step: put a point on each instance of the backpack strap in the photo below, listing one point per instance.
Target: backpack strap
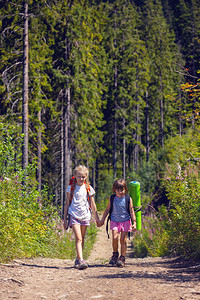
(110, 212)
(87, 186)
(72, 184)
(127, 199)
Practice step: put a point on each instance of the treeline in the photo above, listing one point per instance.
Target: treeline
(108, 83)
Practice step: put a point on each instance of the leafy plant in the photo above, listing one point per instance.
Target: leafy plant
(184, 214)
(29, 227)
(152, 239)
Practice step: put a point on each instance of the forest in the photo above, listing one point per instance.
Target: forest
(113, 85)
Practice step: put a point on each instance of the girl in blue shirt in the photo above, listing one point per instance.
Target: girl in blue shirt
(120, 221)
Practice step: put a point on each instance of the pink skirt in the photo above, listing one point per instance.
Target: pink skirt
(121, 226)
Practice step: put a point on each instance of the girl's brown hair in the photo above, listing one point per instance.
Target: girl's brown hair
(120, 184)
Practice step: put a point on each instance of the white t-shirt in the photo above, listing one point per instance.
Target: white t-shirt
(79, 207)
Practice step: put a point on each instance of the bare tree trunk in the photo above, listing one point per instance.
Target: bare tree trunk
(137, 139)
(62, 165)
(68, 136)
(39, 168)
(93, 176)
(115, 119)
(115, 129)
(66, 144)
(162, 122)
(66, 131)
(130, 154)
(75, 133)
(97, 177)
(124, 150)
(180, 116)
(124, 141)
(161, 115)
(25, 91)
(147, 128)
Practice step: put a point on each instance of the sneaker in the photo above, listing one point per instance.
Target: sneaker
(76, 263)
(121, 261)
(114, 258)
(82, 265)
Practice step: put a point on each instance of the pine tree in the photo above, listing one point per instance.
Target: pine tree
(11, 59)
(25, 90)
(77, 77)
(186, 23)
(129, 73)
(161, 47)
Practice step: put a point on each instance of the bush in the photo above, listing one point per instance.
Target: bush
(28, 228)
(152, 239)
(184, 215)
(179, 225)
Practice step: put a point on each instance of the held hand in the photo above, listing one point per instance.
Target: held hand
(98, 223)
(101, 222)
(134, 227)
(65, 224)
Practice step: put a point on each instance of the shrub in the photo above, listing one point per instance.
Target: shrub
(152, 239)
(27, 228)
(184, 214)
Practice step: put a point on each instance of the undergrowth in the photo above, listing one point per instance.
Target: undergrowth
(30, 225)
(28, 230)
(173, 231)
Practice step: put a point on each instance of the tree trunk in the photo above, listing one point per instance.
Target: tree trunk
(124, 151)
(137, 139)
(124, 140)
(62, 165)
(162, 122)
(136, 149)
(115, 128)
(66, 131)
(180, 115)
(161, 115)
(66, 144)
(93, 176)
(25, 91)
(115, 118)
(147, 128)
(39, 168)
(96, 177)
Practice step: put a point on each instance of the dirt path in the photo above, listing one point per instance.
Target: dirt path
(141, 279)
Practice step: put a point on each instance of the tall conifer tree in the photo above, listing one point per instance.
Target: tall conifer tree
(161, 47)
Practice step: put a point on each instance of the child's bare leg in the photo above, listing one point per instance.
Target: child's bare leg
(79, 240)
(123, 242)
(115, 238)
(83, 232)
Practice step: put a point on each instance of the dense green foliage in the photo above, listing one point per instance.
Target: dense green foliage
(28, 229)
(113, 85)
(176, 230)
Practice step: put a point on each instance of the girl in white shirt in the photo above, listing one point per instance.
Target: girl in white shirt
(78, 206)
